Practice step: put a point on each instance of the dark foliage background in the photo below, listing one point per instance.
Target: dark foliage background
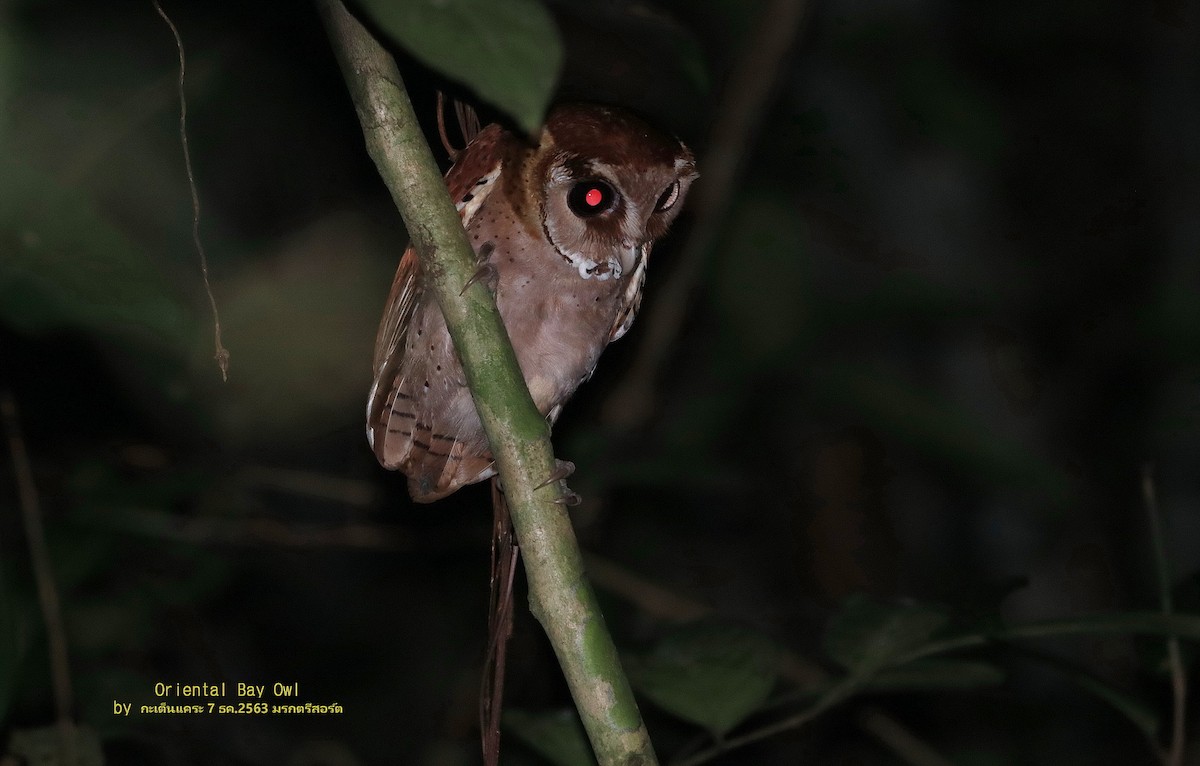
(953, 310)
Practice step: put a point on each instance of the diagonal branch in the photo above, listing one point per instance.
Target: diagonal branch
(560, 596)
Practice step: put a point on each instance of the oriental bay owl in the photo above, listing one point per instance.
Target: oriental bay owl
(564, 228)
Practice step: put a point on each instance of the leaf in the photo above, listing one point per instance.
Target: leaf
(557, 736)
(937, 674)
(711, 674)
(868, 635)
(506, 51)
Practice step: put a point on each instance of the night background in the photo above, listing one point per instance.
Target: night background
(919, 359)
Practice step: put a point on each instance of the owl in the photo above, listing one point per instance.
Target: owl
(563, 228)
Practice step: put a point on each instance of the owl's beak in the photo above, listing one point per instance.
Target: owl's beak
(630, 254)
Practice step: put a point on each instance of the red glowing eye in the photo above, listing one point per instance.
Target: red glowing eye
(591, 197)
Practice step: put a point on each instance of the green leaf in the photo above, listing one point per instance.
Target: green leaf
(868, 635)
(506, 51)
(558, 736)
(711, 674)
(937, 674)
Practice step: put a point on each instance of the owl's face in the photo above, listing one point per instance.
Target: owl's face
(609, 186)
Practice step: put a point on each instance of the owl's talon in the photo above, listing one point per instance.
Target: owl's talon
(487, 274)
(562, 470)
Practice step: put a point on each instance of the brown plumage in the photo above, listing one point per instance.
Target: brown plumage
(566, 227)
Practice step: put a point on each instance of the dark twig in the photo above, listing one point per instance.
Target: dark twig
(221, 353)
(739, 115)
(43, 572)
(468, 124)
(451, 152)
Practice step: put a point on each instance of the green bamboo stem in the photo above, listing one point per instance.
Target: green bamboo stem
(561, 597)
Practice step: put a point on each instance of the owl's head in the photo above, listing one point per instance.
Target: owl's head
(604, 185)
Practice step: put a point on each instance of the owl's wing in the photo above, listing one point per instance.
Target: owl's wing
(631, 299)
(480, 160)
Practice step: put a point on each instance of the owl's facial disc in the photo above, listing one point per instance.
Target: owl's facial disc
(610, 186)
(582, 216)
